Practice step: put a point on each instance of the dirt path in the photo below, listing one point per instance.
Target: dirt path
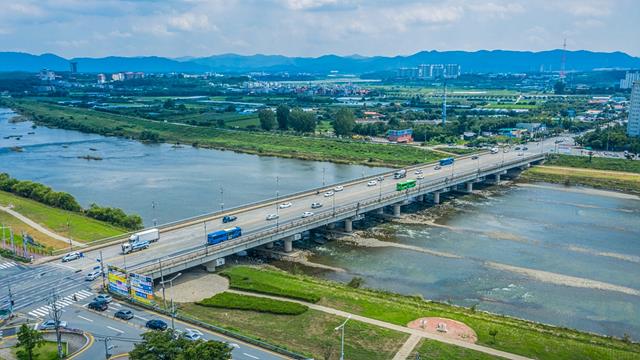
(39, 227)
(386, 325)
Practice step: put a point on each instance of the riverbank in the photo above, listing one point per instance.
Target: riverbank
(267, 144)
(601, 179)
(513, 335)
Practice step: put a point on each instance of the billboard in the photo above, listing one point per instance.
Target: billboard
(118, 281)
(141, 288)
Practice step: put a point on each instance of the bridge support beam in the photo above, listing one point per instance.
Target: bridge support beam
(288, 244)
(269, 245)
(496, 178)
(469, 188)
(210, 266)
(420, 198)
(436, 197)
(380, 211)
(331, 226)
(396, 210)
(348, 225)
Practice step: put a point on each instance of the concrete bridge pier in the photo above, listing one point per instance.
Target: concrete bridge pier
(348, 225)
(380, 211)
(331, 226)
(269, 245)
(210, 266)
(288, 244)
(396, 210)
(420, 198)
(436, 197)
(496, 179)
(469, 188)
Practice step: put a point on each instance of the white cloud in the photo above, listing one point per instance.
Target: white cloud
(408, 16)
(189, 22)
(492, 9)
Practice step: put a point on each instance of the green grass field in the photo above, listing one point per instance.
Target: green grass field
(602, 179)
(48, 351)
(228, 300)
(596, 163)
(81, 228)
(434, 350)
(514, 335)
(270, 144)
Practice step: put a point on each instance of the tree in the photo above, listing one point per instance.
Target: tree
(164, 345)
(282, 113)
(344, 123)
(267, 119)
(493, 333)
(28, 340)
(302, 121)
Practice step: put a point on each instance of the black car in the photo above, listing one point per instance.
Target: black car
(124, 314)
(98, 305)
(156, 324)
(474, 157)
(229, 218)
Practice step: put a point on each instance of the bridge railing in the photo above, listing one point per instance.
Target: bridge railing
(206, 250)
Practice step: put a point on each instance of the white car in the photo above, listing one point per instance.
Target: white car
(71, 256)
(316, 205)
(192, 334)
(418, 172)
(233, 345)
(328, 194)
(338, 188)
(51, 325)
(372, 183)
(92, 275)
(307, 214)
(103, 297)
(272, 216)
(285, 205)
(420, 177)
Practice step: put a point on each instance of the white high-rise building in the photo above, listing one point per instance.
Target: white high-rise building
(629, 79)
(633, 127)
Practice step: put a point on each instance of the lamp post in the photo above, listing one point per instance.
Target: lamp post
(278, 200)
(323, 171)
(341, 327)
(153, 206)
(173, 308)
(221, 198)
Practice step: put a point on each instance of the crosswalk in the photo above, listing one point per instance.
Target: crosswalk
(7, 265)
(43, 311)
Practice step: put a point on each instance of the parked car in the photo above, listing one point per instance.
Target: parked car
(192, 334)
(316, 205)
(156, 324)
(103, 297)
(124, 314)
(372, 183)
(71, 256)
(92, 275)
(338, 188)
(51, 325)
(272, 216)
(98, 305)
(307, 214)
(285, 205)
(328, 194)
(229, 218)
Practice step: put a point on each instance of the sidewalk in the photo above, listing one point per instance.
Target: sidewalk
(39, 227)
(413, 332)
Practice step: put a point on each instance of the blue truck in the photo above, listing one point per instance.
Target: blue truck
(447, 161)
(219, 236)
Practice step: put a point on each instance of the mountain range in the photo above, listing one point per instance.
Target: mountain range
(483, 61)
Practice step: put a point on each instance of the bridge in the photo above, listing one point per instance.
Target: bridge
(182, 245)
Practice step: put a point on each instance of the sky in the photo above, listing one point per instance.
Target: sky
(179, 28)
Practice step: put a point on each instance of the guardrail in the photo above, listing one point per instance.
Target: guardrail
(207, 250)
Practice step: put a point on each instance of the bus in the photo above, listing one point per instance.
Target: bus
(404, 185)
(447, 161)
(219, 236)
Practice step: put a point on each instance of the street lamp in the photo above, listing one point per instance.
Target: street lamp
(341, 327)
(153, 206)
(173, 308)
(323, 171)
(221, 198)
(277, 201)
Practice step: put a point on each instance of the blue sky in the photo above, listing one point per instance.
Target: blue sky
(176, 28)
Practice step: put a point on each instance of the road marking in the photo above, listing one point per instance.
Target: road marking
(84, 318)
(7, 265)
(114, 329)
(116, 304)
(251, 356)
(64, 266)
(141, 318)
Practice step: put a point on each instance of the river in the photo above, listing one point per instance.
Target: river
(547, 253)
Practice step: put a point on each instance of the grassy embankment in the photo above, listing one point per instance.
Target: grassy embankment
(513, 335)
(272, 144)
(434, 350)
(81, 228)
(245, 302)
(48, 351)
(612, 174)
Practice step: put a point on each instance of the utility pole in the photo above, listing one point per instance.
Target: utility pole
(104, 286)
(69, 234)
(164, 298)
(173, 308)
(221, 198)
(10, 301)
(107, 347)
(153, 206)
(323, 171)
(341, 327)
(55, 313)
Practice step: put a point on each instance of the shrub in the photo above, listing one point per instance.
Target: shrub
(253, 303)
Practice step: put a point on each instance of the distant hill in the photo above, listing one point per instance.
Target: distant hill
(476, 61)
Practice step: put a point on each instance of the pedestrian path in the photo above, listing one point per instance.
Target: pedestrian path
(43, 311)
(7, 265)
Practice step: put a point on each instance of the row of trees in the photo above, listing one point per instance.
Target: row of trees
(285, 118)
(612, 138)
(165, 345)
(62, 200)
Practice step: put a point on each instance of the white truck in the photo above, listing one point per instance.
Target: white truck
(151, 235)
(135, 245)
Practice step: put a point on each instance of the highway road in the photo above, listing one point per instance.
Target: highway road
(253, 219)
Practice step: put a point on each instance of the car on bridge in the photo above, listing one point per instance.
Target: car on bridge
(329, 193)
(156, 324)
(372, 183)
(286, 205)
(474, 157)
(437, 167)
(51, 325)
(338, 188)
(72, 256)
(418, 172)
(316, 205)
(380, 178)
(272, 216)
(229, 218)
(307, 214)
(420, 177)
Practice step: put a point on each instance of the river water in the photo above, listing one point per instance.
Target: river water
(547, 253)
